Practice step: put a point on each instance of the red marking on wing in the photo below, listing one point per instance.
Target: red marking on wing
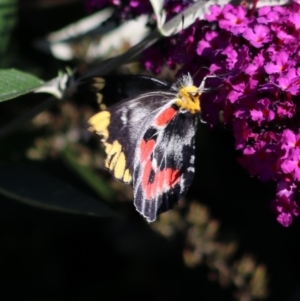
(146, 175)
(165, 116)
(163, 180)
(146, 148)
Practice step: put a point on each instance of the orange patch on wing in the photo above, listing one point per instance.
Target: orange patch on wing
(165, 116)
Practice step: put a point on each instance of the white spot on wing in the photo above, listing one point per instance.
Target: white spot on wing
(124, 117)
(154, 164)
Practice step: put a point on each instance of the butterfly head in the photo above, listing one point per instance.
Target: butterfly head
(188, 96)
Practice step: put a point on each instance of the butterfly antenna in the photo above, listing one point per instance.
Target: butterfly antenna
(203, 83)
(199, 71)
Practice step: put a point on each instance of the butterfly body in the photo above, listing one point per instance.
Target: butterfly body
(149, 141)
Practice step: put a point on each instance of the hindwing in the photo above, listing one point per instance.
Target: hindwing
(165, 163)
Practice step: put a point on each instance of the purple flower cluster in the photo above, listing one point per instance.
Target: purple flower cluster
(259, 53)
(256, 56)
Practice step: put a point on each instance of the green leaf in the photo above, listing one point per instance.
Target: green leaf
(14, 83)
(8, 18)
(101, 187)
(30, 185)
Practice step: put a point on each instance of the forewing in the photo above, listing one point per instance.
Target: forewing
(122, 127)
(114, 88)
(166, 163)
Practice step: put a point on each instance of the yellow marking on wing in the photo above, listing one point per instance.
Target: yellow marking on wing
(103, 107)
(107, 147)
(115, 158)
(109, 154)
(120, 166)
(98, 83)
(99, 123)
(127, 176)
(116, 161)
(99, 97)
(188, 98)
(114, 154)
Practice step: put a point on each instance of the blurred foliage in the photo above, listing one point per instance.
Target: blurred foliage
(50, 161)
(205, 243)
(8, 20)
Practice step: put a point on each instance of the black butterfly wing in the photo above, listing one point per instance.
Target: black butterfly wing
(122, 127)
(115, 88)
(167, 172)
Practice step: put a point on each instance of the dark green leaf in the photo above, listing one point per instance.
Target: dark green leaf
(101, 187)
(33, 187)
(14, 83)
(8, 18)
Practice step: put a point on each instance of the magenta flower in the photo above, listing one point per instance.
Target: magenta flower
(234, 20)
(285, 205)
(262, 112)
(285, 109)
(257, 36)
(255, 65)
(290, 140)
(294, 85)
(242, 132)
(280, 62)
(287, 81)
(294, 19)
(291, 164)
(285, 209)
(267, 15)
(209, 44)
(261, 159)
(284, 37)
(216, 13)
(231, 56)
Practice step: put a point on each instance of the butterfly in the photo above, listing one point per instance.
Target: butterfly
(149, 138)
